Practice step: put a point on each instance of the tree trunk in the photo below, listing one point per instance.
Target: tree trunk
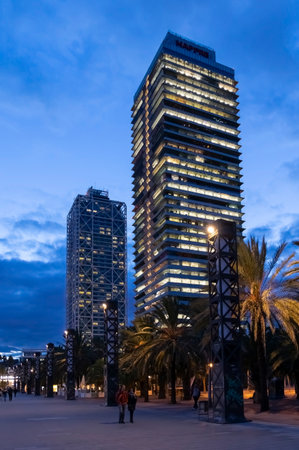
(144, 389)
(172, 380)
(186, 387)
(162, 376)
(204, 384)
(296, 376)
(262, 368)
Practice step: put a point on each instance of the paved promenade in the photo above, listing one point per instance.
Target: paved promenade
(30, 423)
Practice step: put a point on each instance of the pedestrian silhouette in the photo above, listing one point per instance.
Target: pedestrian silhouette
(122, 399)
(195, 392)
(10, 392)
(132, 400)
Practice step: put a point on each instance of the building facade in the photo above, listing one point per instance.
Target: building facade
(186, 168)
(96, 261)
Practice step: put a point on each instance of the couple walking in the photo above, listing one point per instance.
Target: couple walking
(124, 398)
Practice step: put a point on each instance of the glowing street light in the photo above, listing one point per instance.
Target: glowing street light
(211, 229)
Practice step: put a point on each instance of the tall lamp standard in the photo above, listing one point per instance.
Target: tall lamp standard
(111, 352)
(210, 403)
(50, 369)
(29, 376)
(70, 367)
(23, 375)
(226, 376)
(37, 374)
(15, 375)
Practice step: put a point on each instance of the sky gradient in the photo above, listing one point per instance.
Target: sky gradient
(68, 73)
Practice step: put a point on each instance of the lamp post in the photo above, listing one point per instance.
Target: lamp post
(226, 377)
(50, 370)
(15, 368)
(37, 374)
(210, 403)
(18, 377)
(111, 352)
(23, 375)
(70, 367)
(29, 376)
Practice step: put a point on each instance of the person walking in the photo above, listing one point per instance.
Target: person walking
(195, 393)
(122, 400)
(4, 393)
(10, 392)
(132, 400)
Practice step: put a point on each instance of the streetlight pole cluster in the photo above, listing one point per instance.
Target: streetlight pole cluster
(111, 352)
(225, 366)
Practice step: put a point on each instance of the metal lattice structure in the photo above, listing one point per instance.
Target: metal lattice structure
(29, 375)
(23, 375)
(111, 353)
(37, 374)
(70, 366)
(227, 390)
(96, 261)
(29, 370)
(50, 369)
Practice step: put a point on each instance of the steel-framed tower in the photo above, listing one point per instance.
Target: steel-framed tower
(111, 353)
(96, 261)
(226, 374)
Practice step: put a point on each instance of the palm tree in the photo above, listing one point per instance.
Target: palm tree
(168, 342)
(133, 342)
(86, 353)
(268, 300)
(95, 373)
(285, 358)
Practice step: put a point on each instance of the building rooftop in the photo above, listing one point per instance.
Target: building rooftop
(192, 51)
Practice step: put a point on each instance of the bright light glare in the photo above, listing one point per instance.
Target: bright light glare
(211, 229)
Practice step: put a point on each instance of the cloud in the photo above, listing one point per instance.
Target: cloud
(292, 170)
(290, 232)
(31, 240)
(32, 302)
(260, 232)
(282, 229)
(69, 72)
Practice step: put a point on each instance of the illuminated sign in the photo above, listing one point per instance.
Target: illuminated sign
(191, 48)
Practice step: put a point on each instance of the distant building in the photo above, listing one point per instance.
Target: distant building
(96, 261)
(186, 168)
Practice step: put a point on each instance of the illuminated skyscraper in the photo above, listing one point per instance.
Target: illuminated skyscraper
(186, 168)
(96, 261)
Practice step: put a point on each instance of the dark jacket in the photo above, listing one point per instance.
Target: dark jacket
(132, 399)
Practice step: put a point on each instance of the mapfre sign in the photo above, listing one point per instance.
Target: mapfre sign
(191, 48)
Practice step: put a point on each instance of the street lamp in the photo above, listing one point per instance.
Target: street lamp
(70, 366)
(50, 369)
(210, 366)
(226, 377)
(29, 376)
(211, 230)
(111, 351)
(37, 373)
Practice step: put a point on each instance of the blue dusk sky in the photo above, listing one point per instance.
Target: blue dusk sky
(68, 73)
